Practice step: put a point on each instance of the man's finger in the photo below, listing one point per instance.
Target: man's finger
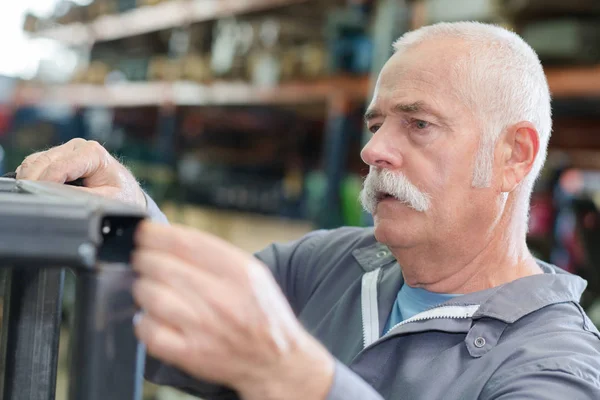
(27, 161)
(170, 270)
(34, 165)
(161, 340)
(196, 247)
(198, 288)
(165, 303)
(84, 162)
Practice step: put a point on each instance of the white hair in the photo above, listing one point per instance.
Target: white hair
(502, 81)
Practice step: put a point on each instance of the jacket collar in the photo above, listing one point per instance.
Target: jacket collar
(514, 300)
(373, 256)
(508, 302)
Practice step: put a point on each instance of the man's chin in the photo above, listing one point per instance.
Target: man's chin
(397, 224)
(394, 234)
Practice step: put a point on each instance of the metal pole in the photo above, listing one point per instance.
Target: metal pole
(105, 354)
(30, 340)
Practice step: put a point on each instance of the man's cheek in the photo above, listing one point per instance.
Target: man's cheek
(444, 176)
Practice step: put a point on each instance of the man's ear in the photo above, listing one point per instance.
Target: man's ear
(519, 150)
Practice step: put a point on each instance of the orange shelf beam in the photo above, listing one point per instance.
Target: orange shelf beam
(574, 82)
(192, 94)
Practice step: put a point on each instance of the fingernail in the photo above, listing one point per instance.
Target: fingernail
(138, 317)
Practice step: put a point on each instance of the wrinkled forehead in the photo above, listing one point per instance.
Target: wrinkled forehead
(432, 70)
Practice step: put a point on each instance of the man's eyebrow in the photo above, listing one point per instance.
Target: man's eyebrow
(407, 108)
(417, 107)
(372, 113)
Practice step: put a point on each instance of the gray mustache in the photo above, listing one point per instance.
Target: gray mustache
(381, 182)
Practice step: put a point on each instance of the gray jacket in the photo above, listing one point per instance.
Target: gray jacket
(528, 339)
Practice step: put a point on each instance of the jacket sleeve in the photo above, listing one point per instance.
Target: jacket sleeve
(349, 386)
(155, 214)
(544, 384)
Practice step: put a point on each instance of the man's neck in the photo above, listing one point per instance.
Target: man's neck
(448, 269)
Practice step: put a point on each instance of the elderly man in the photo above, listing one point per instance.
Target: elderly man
(441, 300)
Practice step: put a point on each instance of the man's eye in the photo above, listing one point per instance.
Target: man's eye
(374, 128)
(420, 124)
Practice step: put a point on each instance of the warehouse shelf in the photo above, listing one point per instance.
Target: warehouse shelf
(574, 82)
(192, 94)
(564, 83)
(146, 19)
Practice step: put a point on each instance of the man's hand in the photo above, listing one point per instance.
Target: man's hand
(216, 313)
(103, 174)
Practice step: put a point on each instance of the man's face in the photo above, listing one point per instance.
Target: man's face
(423, 131)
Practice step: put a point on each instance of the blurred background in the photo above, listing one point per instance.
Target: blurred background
(244, 117)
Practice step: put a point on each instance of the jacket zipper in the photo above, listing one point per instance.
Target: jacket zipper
(445, 312)
(441, 312)
(370, 310)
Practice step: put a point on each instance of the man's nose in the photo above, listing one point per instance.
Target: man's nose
(381, 152)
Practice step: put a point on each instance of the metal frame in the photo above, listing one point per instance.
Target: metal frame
(45, 228)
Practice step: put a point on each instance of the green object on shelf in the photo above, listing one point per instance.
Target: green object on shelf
(351, 208)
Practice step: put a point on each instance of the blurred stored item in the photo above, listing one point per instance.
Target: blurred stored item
(126, 5)
(350, 192)
(231, 42)
(577, 228)
(316, 186)
(313, 60)
(134, 69)
(452, 10)
(164, 69)
(237, 158)
(267, 59)
(97, 73)
(564, 41)
(6, 115)
(289, 63)
(150, 2)
(350, 45)
(69, 12)
(196, 68)
(536, 9)
(30, 24)
(99, 8)
(257, 190)
(7, 90)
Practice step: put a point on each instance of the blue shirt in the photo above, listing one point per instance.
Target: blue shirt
(411, 301)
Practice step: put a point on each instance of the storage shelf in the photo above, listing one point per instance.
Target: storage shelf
(574, 81)
(564, 83)
(192, 94)
(174, 13)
